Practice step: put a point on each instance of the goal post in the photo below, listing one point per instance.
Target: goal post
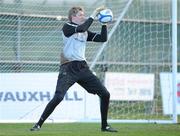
(174, 58)
(138, 64)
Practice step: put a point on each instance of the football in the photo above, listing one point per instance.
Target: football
(105, 16)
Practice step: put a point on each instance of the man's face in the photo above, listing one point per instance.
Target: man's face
(79, 18)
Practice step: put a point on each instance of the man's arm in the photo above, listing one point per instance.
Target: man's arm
(69, 28)
(102, 37)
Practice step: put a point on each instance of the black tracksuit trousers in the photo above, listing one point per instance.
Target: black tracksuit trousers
(77, 71)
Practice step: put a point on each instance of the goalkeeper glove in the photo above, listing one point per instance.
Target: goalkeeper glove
(96, 11)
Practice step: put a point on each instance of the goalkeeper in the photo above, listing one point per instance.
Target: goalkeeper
(74, 67)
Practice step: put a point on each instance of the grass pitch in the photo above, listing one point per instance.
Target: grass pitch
(90, 129)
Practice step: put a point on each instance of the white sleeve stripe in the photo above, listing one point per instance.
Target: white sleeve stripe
(71, 24)
(94, 37)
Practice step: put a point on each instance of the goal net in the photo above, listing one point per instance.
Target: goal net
(134, 60)
(139, 50)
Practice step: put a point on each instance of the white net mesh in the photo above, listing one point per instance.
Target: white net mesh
(31, 38)
(141, 44)
(31, 41)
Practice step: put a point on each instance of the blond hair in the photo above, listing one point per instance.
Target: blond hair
(73, 11)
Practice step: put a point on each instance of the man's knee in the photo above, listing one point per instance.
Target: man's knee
(58, 97)
(105, 94)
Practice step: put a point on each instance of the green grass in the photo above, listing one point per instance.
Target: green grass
(90, 129)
